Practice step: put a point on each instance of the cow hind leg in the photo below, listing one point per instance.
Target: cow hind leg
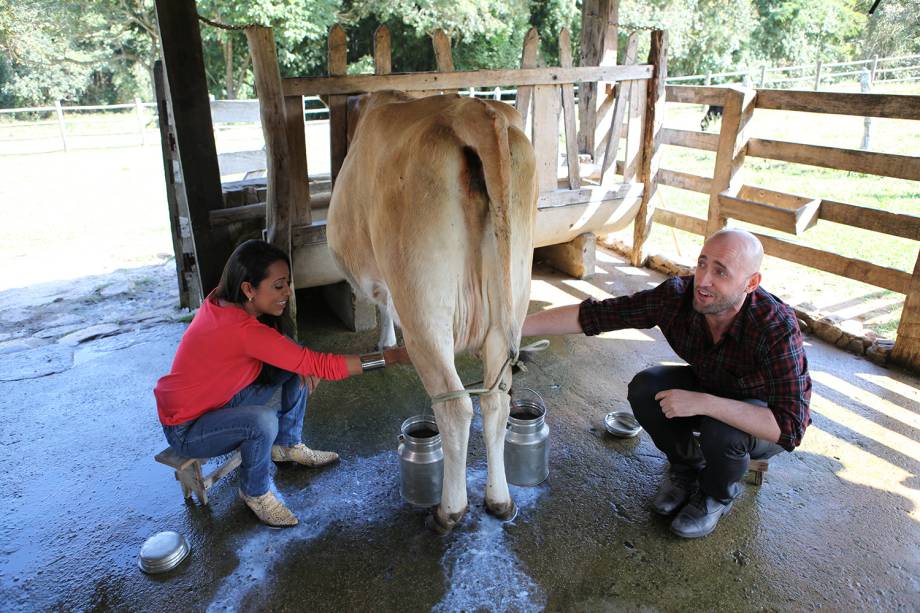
(434, 361)
(495, 408)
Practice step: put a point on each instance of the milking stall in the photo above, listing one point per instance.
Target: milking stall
(833, 525)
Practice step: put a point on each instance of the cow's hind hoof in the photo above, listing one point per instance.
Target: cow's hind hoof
(505, 511)
(442, 526)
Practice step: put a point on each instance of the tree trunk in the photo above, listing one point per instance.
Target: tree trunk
(228, 66)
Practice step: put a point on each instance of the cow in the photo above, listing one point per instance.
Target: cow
(713, 112)
(432, 217)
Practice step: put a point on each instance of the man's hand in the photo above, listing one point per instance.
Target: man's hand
(682, 403)
(396, 355)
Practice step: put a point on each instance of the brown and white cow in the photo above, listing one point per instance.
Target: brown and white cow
(432, 217)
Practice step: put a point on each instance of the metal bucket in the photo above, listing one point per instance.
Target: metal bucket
(527, 441)
(421, 461)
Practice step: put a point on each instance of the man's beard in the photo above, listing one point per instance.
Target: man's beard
(719, 305)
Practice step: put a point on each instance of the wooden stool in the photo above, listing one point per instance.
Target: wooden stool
(757, 468)
(189, 475)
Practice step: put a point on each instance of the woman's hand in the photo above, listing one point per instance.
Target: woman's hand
(396, 355)
(310, 382)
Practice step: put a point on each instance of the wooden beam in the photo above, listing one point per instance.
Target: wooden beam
(598, 47)
(180, 43)
(414, 81)
(684, 180)
(337, 64)
(546, 135)
(654, 119)
(892, 106)
(528, 60)
(619, 111)
(246, 212)
(792, 221)
(690, 139)
(442, 54)
(588, 193)
(637, 100)
(299, 174)
(681, 221)
(568, 108)
(277, 157)
(906, 349)
(897, 224)
(851, 268)
(382, 51)
(738, 110)
(696, 94)
(854, 160)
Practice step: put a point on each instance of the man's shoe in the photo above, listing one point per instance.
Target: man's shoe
(700, 517)
(303, 455)
(672, 494)
(270, 510)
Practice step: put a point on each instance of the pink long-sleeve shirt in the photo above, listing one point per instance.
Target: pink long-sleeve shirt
(221, 352)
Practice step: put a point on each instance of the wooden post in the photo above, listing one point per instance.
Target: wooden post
(818, 75)
(190, 108)
(60, 118)
(763, 75)
(637, 100)
(546, 135)
(865, 86)
(738, 109)
(577, 257)
(141, 123)
(189, 292)
(619, 110)
(708, 80)
(874, 69)
(528, 60)
(382, 51)
(654, 118)
(598, 44)
(442, 54)
(906, 351)
(568, 107)
(338, 105)
(301, 211)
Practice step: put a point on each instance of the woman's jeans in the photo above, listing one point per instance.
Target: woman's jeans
(253, 420)
(718, 456)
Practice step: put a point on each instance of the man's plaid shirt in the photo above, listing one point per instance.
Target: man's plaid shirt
(760, 357)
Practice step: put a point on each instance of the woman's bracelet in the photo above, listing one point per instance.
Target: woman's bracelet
(372, 361)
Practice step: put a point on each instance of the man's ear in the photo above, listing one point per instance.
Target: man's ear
(753, 283)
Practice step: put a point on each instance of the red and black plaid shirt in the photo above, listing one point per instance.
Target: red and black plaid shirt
(760, 357)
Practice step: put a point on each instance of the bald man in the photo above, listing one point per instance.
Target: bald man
(743, 395)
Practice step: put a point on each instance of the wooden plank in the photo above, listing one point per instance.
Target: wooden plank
(690, 139)
(183, 60)
(546, 135)
(792, 221)
(681, 221)
(256, 210)
(696, 94)
(858, 270)
(442, 54)
(568, 108)
(337, 64)
(411, 81)
(892, 106)
(906, 349)
(738, 110)
(654, 118)
(524, 94)
(314, 234)
(684, 180)
(619, 110)
(588, 193)
(896, 224)
(297, 147)
(853, 160)
(599, 18)
(382, 51)
(637, 100)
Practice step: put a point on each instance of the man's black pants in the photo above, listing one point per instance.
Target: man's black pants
(719, 457)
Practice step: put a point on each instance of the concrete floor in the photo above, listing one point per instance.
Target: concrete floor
(836, 524)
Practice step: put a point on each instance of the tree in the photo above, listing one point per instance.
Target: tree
(894, 29)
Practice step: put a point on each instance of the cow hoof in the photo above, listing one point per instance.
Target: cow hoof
(505, 511)
(441, 525)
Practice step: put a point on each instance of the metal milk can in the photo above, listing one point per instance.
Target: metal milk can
(421, 461)
(527, 440)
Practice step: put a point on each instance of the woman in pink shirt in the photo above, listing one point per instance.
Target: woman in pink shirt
(222, 392)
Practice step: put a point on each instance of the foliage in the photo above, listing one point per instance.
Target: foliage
(801, 31)
(894, 29)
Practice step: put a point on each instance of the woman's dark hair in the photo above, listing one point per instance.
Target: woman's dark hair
(250, 262)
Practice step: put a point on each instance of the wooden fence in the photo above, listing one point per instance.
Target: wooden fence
(794, 213)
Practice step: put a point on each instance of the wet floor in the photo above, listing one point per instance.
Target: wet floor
(836, 524)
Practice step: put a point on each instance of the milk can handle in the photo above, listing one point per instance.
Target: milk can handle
(401, 437)
(535, 393)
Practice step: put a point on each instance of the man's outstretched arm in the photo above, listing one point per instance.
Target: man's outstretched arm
(560, 320)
